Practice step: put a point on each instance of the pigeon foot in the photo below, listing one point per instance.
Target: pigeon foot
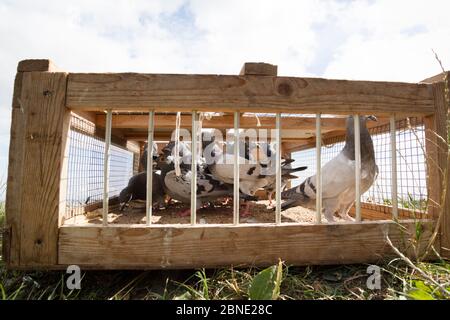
(246, 212)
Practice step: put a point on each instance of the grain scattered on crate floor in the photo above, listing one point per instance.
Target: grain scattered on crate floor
(260, 212)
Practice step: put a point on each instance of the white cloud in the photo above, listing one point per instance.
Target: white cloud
(391, 40)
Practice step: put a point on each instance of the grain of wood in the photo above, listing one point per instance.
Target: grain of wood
(177, 246)
(14, 184)
(258, 69)
(37, 65)
(442, 131)
(17, 90)
(382, 212)
(437, 78)
(43, 96)
(125, 121)
(434, 173)
(164, 92)
(16, 155)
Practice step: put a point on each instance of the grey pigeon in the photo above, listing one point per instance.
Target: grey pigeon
(338, 177)
(137, 189)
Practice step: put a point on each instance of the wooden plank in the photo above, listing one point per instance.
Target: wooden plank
(441, 129)
(438, 174)
(373, 211)
(14, 185)
(434, 173)
(17, 90)
(165, 92)
(86, 115)
(43, 96)
(437, 78)
(37, 65)
(177, 246)
(258, 69)
(16, 156)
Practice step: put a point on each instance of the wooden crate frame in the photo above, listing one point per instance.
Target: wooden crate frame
(44, 98)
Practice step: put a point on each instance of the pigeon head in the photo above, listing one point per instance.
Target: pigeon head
(367, 149)
(168, 153)
(362, 121)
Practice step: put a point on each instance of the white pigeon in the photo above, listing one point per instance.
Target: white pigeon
(338, 177)
(256, 166)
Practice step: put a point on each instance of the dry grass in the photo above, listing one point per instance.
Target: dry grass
(346, 282)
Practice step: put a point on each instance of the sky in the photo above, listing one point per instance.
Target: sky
(363, 40)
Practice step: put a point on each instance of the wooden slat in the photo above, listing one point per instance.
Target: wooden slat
(436, 148)
(37, 65)
(44, 144)
(437, 78)
(176, 246)
(373, 211)
(434, 173)
(16, 157)
(441, 130)
(165, 92)
(126, 121)
(17, 90)
(14, 185)
(259, 69)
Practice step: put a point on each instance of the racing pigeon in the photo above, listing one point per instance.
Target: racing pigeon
(143, 159)
(338, 176)
(137, 189)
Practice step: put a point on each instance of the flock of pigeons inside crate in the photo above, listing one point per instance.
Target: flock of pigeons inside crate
(172, 177)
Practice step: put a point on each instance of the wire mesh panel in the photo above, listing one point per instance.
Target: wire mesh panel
(411, 165)
(85, 168)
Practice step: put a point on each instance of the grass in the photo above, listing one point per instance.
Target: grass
(398, 281)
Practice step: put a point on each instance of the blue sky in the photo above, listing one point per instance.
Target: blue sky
(374, 40)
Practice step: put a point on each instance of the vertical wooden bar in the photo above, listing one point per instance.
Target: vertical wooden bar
(11, 236)
(438, 173)
(434, 190)
(443, 158)
(278, 170)
(12, 233)
(357, 130)
(392, 128)
(236, 170)
(149, 204)
(194, 168)
(44, 138)
(319, 169)
(106, 167)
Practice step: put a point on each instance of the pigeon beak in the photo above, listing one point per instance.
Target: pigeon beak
(372, 117)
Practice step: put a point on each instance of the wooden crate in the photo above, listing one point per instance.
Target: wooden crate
(44, 98)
